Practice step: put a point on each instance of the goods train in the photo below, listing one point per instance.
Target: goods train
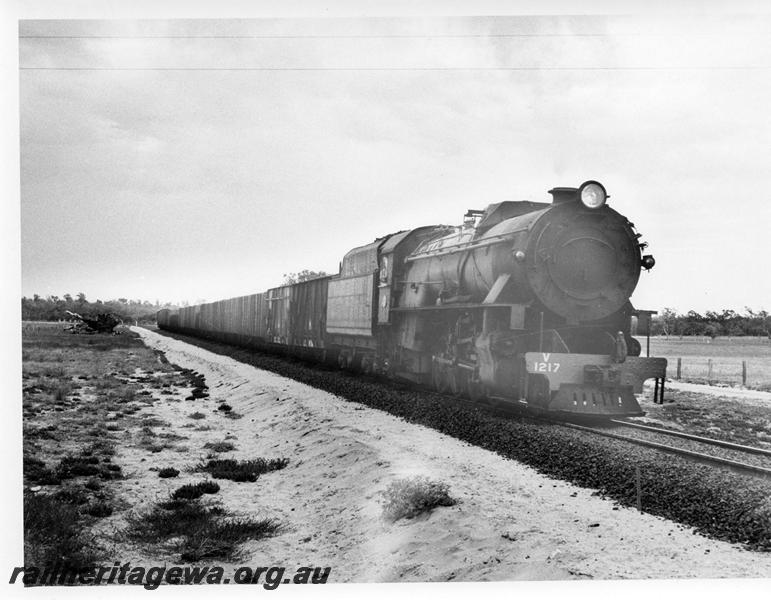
(525, 303)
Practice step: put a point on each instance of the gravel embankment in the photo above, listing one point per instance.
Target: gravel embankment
(718, 503)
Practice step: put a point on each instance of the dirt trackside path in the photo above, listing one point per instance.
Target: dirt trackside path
(510, 523)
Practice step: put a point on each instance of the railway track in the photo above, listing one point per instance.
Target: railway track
(738, 457)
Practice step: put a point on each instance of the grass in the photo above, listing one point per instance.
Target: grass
(73, 387)
(726, 353)
(245, 470)
(201, 532)
(55, 535)
(220, 539)
(219, 446)
(169, 519)
(98, 508)
(408, 498)
(191, 491)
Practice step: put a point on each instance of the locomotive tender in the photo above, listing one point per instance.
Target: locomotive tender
(525, 303)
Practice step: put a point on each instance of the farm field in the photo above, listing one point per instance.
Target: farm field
(725, 353)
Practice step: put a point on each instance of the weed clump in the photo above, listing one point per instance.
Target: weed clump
(169, 519)
(36, 471)
(54, 535)
(60, 394)
(245, 470)
(98, 508)
(219, 446)
(204, 531)
(191, 491)
(221, 539)
(77, 466)
(407, 498)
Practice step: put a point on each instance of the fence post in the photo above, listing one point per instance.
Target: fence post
(638, 488)
(709, 369)
(744, 372)
(679, 367)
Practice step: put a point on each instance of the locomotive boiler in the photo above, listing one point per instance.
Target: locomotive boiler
(524, 303)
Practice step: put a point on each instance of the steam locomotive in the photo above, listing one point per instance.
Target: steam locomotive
(525, 304)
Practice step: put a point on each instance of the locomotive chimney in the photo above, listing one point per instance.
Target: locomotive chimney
(563, 194)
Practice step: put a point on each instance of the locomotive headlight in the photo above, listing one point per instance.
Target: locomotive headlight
(592, 194)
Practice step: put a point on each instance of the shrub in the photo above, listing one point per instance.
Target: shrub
(191, 491)
(197, 415)
(167, 472)
(170, 518)
(224, 407)
(98, 509)
(76, 466)
(60, 394)
(407, 498)
(245, 470)
(35, 470)
(203, 531)
(219, 540)
(71, 495)
(53, 535)
(219, 446)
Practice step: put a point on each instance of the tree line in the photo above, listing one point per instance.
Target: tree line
(668, 322)
(54, 308)
(711, 323)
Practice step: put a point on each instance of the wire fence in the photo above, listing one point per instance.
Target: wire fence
(748, 373)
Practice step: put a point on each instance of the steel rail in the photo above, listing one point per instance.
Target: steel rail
(673, 449)
(697, 438)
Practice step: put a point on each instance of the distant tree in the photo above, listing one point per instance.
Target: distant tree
(304, 275)
(668, 321)
(53, 308)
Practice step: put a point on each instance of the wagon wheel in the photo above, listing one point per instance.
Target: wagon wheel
(457, 381)
(476, 390)
(366, 366)
(439, 377)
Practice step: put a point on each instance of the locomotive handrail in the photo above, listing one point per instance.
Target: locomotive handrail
(489, 241)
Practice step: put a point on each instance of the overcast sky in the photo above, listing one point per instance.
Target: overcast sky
(186, 160)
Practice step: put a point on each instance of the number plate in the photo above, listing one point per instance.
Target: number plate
(545, 365)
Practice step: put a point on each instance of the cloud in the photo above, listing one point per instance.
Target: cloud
(241, 176)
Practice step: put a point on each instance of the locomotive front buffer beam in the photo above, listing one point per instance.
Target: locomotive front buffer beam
(588, 383)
